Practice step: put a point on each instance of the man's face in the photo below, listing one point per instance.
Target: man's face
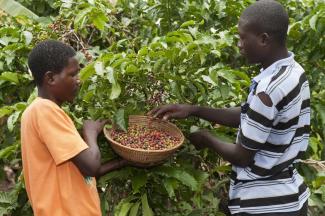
(66, 83)
(250, 43)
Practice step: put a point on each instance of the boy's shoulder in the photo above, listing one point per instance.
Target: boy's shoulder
(41, 106)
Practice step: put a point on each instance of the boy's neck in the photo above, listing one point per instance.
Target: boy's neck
(44, 94)
(274, 56)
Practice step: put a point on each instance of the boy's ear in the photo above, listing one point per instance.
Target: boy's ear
(49, 78)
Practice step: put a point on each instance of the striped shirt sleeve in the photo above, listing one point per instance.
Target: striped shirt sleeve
(256, 123)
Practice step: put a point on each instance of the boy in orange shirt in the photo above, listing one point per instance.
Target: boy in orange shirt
(59, 166)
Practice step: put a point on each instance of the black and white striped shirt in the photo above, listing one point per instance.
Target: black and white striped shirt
(279, 133)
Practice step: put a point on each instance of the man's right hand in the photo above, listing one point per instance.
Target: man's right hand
(176, 111)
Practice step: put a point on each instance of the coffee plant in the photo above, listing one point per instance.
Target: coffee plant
(136, 55)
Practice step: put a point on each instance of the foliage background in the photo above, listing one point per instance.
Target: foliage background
(139, 54)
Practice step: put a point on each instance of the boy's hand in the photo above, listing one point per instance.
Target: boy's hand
(93, 127)
(199, 139)
(177, 111)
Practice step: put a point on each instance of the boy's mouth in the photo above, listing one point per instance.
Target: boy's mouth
(75, 90)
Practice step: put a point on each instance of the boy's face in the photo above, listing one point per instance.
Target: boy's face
(251, 44)
(65, 85)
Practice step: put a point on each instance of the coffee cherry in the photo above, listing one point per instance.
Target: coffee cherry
(145, 137)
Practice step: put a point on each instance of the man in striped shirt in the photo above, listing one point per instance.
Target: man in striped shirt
(273, 123)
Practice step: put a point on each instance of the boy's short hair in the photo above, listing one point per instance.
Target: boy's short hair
(49, 55)
(268, 16)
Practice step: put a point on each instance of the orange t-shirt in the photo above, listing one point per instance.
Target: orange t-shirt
(54, 185)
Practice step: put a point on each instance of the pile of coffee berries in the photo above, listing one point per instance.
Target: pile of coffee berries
(145, 137)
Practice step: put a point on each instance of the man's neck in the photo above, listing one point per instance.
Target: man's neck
(275, 56)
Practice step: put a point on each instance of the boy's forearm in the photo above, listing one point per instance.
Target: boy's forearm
(111, 166)
(91, 140)
(228, 116)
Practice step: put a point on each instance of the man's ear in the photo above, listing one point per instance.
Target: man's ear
(264, 39)
(49, 78)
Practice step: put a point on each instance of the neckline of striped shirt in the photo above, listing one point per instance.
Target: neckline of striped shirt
(274, 67)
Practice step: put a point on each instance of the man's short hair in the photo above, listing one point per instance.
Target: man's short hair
(268, 16)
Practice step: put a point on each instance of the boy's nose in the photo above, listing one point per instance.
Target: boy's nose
(78, 81)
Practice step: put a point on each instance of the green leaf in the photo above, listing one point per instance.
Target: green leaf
(116, 91)
(9, 76)
(169, 186)
(80, 16)
(208, 80)
(134, 210)
(4, 111)
(125, 208)
(99, 19)
(14, 8)
(131, 68)
(87, 72)
(20, 106)
(179, 174)
(138, 181)
(146, 210)
(9, 150)
(5, 197)
(99, 68)
(28, 37)
(12, 120)
(4, 211)
(313, 22)
(188, 23)
(120, 119)
(194, 128)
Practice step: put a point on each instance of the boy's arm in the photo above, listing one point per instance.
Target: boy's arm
(89, 160)
(236, 154)
(111, 166)
(227, 116)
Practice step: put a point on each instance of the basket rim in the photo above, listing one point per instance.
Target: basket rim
(106, 130)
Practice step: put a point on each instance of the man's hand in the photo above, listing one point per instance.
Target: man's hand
(176, 111)
(199, 139)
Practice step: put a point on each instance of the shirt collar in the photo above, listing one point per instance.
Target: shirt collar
(274, 67)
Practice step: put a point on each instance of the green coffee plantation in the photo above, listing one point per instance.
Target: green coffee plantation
(136, 55)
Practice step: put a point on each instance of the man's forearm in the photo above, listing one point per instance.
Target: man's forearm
(228, 116)
(234, 153)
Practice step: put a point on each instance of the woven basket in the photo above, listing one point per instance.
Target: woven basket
(143, 156)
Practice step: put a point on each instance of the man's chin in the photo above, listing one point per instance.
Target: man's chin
(251, 61)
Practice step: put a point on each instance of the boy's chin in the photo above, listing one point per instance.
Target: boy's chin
(71, 99)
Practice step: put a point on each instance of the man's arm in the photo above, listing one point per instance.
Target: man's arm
(236, 154)
(228, 116)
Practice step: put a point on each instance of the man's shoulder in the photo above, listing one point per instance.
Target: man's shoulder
(283, 81)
